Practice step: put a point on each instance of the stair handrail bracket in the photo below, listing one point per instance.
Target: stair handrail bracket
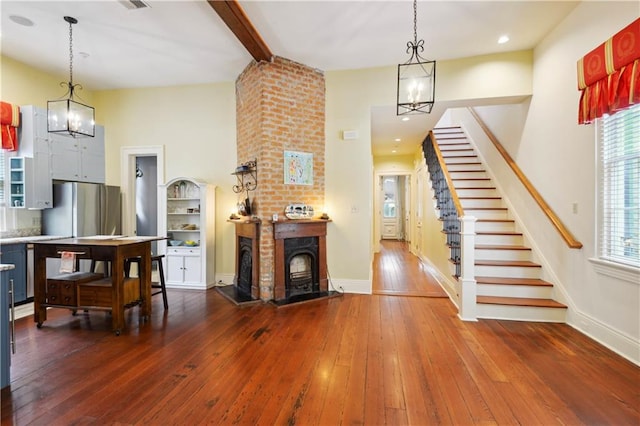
(467, 280)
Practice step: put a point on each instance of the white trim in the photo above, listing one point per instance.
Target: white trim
(620, 343)
(350, 286)
(224, 279)
(128, 156)
(616, 270)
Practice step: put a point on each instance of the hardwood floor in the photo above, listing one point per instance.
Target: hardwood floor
(355, 359)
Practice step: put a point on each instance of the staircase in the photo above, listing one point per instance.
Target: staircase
(508, 282)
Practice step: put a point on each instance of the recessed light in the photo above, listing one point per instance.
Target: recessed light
(21, 20)
(393, 151)
(503, 39)
(405, 118)
(397, 139)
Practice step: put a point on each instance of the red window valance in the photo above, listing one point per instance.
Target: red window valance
(9, 122)
(609, 75)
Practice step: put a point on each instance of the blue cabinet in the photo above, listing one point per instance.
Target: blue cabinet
(16, 254)
(5, 337)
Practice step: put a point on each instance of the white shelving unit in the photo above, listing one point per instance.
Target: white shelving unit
(187, 219)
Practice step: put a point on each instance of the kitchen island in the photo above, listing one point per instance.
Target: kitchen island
(112, 293)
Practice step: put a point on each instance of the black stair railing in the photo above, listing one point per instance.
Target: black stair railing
(446, 199)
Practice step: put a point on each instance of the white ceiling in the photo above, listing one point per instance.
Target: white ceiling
(186, 42)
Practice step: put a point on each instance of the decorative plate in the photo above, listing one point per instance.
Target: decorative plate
(298, 211)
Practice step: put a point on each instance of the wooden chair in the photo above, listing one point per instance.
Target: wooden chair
(158, 285)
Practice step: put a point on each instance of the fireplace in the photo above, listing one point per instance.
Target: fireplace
(300, 258)
(247, 259)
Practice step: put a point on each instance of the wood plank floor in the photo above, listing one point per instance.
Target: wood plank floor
(355, 359)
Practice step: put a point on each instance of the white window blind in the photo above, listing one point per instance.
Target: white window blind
(619, 191)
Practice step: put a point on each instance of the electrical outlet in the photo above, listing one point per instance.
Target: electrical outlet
(575, 208)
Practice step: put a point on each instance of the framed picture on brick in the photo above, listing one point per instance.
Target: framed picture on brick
(298, 168)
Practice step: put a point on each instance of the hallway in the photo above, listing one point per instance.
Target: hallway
(397, 272)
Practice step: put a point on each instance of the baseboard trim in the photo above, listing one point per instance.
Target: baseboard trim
(620, 343)
(351, 286)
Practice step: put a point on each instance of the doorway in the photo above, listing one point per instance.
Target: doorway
(142, 171)
(394, 207)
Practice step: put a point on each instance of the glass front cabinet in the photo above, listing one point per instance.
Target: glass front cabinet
(187, 220)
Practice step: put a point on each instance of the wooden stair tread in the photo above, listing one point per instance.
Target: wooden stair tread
(500, 247)
(479, 198)
(518, 263)
(498, 233)
(464, 188)
(494, 220)
(485, 208)
(472, 178)
(513, 281)
(520, 301)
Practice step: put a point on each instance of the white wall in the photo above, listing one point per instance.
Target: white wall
(558, 157)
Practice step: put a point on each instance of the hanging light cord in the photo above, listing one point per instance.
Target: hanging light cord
(412, 47)
(71, 55)
(70, 86)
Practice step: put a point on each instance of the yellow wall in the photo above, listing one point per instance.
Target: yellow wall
(196, 125)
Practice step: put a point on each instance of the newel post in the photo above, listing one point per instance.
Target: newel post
(467, 275)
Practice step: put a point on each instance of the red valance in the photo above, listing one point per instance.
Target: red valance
(609, 75)
(9, 122)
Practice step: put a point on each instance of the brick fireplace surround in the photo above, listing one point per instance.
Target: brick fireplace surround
(280, 106)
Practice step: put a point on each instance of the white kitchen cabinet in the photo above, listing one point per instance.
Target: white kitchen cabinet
(184, 267)
(33, 149)
(78, 159)
(187, 219)
(28, 188)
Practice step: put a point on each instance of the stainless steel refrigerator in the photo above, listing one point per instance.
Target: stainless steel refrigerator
(83, 209)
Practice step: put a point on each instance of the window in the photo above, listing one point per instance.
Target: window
(390, 190)
(619, 187)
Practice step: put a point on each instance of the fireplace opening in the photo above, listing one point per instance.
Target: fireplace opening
(245, 266)
(301, 275)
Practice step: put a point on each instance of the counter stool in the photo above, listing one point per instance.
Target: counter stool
(154, 284)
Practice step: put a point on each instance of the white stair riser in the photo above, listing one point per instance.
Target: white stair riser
(455, 147)
(498, 239)
(521, 313)
(475, 192)
(461, 160)
(495, 226)
(506, 271)
(460, 171)
(461, 152)
(485, 254)
(526, 291)
(487, 214)
(487, 203)
(462, 184)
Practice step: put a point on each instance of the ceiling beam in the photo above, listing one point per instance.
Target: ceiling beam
(233, 15)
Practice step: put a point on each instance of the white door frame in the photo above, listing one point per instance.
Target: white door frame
(128, 156)
(377, 223)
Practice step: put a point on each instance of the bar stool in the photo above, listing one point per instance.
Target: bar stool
(159, 285)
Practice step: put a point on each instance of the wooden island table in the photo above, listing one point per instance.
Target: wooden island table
(112, 293)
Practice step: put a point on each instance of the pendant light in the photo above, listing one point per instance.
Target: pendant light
(66, 116)
(416, 77)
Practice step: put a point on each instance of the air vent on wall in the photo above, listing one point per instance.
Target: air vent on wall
(134, 4)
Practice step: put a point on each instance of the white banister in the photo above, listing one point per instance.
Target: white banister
(467, 275)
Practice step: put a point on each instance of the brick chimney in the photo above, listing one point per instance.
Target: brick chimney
(280, 106)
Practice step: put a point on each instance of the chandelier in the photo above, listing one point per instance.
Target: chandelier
(416, 77)
(66, 116)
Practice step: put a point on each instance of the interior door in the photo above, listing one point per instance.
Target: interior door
(391, 211)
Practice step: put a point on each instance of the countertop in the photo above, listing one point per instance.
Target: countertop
(29, 239)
